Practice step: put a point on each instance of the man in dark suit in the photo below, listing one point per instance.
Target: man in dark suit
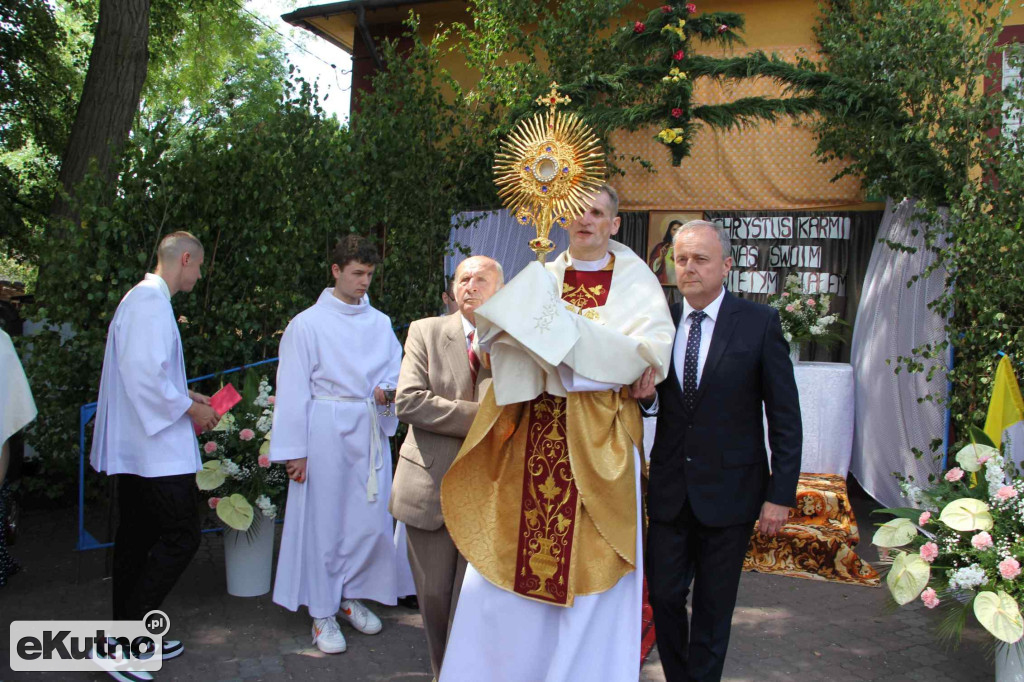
(709, 474)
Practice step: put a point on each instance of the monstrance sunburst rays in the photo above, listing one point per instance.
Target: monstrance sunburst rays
(548, 169)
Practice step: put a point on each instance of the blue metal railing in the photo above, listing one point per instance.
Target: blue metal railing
(85, 415)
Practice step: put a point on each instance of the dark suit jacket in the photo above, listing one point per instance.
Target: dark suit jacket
(716, 457)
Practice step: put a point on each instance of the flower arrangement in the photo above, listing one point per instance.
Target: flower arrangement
(804, 317)
(237, 472)
(963, 542)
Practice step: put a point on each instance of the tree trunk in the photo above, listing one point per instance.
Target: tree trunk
(110, 99)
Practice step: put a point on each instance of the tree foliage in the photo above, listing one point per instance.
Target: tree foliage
(932, 133)
(263, 194)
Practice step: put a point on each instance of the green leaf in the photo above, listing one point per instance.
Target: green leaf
(895, 533)
(907, 577)
(1000, 615)
(236, 512)
(966, 514)
(980, 437)
(211, 476)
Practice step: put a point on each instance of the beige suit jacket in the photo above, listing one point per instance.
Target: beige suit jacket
(438, 401)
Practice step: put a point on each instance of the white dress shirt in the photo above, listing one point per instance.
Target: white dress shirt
(141, 423)
(706, 330)
(467, 329)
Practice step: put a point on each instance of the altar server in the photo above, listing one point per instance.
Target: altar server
(543, 499)
(144, 435)
(331, 426)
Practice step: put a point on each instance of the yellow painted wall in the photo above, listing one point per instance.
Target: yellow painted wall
(769, 167)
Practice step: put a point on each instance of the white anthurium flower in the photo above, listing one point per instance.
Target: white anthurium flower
(999, 614)
(969, 457)
(211, 476)
(908, 577)
(236, 512)
(895, 533)
(967, 514)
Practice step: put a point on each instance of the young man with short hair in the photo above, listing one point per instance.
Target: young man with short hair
(330, 432)
(144, 437)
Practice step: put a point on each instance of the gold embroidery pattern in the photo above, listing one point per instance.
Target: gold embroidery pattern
(550, 503)
(582, 296)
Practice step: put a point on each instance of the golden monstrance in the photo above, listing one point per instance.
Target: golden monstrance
(548, 170)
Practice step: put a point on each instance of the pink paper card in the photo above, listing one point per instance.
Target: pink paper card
(222, 401)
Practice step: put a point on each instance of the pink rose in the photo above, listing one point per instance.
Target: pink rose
(210, 447)
(930, 599)
(924, 518)
(1009, 568)
(1007, 492)
(264, 461)
(639, 27)
(246, 434)
(982, 540)
(677, 112)
(213, 502)
(272, 399)
(666, 9)
(929, 551)
(789, 308)
(785, 294)
(691, 8)
(678, 56)
(810, 301)
(723, 28)
(954, 474)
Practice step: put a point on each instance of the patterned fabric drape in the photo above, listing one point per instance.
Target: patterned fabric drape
(498, 235)
(892, 319)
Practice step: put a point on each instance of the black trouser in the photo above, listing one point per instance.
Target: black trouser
(679, 553)
(157, 536)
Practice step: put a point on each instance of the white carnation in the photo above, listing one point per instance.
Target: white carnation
(229, 467)
(264, 423)
(788, 337)
(263, 502)
(995, 475)
(270, 511)
(967, 578)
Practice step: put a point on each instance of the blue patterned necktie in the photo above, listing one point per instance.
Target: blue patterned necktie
(690, 364)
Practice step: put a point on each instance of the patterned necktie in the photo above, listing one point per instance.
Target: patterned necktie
(474, 361)
(692, 356)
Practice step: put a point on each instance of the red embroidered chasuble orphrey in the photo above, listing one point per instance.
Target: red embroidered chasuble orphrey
(550, 500)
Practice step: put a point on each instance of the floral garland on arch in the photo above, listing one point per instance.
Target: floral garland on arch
(237, 471)
(962, 544)
(805, 317)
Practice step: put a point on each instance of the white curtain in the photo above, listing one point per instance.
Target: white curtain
(892, 319)
(498, 235)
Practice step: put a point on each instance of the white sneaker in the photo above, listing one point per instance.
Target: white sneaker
(362, 618)
(327, 636)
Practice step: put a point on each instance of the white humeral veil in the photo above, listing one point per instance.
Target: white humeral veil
(338, 538)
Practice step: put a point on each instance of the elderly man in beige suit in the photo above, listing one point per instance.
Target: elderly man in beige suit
(438, 389)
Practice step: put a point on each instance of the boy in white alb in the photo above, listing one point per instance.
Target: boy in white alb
(329, 429)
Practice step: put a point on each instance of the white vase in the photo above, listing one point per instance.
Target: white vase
(249, 557)
(1009, 662)
(794, 352)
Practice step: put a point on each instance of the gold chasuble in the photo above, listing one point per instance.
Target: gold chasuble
(542, 496)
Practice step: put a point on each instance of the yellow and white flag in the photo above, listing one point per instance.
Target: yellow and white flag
(1006, 407)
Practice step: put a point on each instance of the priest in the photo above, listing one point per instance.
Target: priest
(144, 435)
(543, 499)
(332, 421)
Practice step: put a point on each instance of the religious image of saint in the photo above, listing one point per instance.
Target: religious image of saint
(660, 259)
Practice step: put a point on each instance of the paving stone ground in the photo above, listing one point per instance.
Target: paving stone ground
(784, 628)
